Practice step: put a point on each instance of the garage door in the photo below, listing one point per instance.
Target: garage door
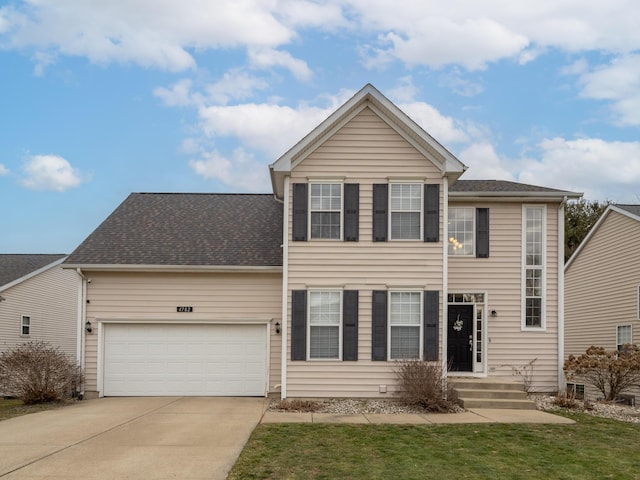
(169, 359)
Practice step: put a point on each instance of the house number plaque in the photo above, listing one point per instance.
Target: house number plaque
(184, 309)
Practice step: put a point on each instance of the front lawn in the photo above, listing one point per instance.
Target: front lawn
(594, 448)
(10, 408)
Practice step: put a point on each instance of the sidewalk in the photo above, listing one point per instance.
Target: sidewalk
(474, 415)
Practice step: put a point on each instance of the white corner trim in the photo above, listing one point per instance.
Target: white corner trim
(285, 291)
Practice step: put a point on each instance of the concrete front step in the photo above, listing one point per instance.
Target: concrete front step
(490, 393)
(505, 394)
(497, 403)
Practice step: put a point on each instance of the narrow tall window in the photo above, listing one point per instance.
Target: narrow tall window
(623, 336)
(326, 209)
(534, 265)
(325, 311)
(406, 211)
(461, 231)
(25, 326)
(405, 325)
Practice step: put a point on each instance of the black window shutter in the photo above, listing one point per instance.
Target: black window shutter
(431, 320)
(432, 212)
(379, 325)
(380, 215)
(351, 211)
(350, 325)
(300, 200)
(482, 232)
(299, 325)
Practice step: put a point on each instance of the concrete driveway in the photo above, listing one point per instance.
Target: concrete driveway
(119, 438)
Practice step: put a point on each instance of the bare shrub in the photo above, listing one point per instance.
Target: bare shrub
(424, 384)
(610, 371)
(298, 405)
(526, 373)
(566, 400)
(36, 372)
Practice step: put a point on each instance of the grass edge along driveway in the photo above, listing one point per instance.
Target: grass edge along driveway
(593, 448)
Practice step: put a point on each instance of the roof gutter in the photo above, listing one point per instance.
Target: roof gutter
(82, 313)
(120, 267)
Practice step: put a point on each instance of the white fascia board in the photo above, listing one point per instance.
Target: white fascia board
(515, 196)
(174, 268)
(32, 274)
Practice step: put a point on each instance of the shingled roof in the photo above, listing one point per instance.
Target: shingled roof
(187, 229)
(632, 209)
(503, 187)
(15, 266)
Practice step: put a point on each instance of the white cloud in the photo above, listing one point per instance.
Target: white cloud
(265, 58)
(484, 163)
(618, 82)
(241, 170)
(50, 172)
(270, 128)
(234, 85)
(591, 165)
(178, 95)
(444, 129)
(3, 170)
(145, 32)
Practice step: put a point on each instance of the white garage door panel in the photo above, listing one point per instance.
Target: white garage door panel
(168, 359)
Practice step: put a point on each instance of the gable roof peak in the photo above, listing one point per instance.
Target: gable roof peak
(367, 96)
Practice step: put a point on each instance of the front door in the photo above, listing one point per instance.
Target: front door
(460, 338)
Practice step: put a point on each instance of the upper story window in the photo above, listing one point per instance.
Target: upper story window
(405, 325)
(325, 210)
(533, 243)
(461, 230)
(406, 211)
(623, 336)
(25, 326)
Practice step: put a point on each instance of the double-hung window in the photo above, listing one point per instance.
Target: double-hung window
(461, 230)
(25, 325)
(533, 233)
(406, 211)
(405, 324)
(325, 209)
(623, 336)
(325, 323)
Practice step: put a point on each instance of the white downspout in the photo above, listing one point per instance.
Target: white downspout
(82, 305)
(285, 287)
(561, 295)
(445, 270)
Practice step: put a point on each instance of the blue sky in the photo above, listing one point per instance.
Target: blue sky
(100, 99)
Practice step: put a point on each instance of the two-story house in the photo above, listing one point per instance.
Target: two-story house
(370, 250)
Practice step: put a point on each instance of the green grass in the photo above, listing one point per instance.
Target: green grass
(594, 448)
(10, 408)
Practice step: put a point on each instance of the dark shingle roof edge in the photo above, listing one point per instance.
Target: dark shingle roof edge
(630, 208)
(505, 188)
(16, 267)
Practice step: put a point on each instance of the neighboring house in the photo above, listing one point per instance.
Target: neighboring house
(38, 302)
(370, 251)
(602, 282)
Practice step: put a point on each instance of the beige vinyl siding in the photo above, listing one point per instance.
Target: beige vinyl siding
(601, 286)
(215, 297)
(365, 151)
(51, 300)
(500, 278)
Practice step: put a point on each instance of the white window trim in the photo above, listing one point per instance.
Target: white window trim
(638, 309)
(328, 290)
(420, 214)
(473, 232)
(618, 333)
(327, 181)
(22, 317)
(523, 293)
(421, 323)
(478, 367)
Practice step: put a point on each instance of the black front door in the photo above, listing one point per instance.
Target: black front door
(460, 338)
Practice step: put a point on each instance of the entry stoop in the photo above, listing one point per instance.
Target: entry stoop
(490, 393)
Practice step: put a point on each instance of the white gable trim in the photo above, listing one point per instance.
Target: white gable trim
(31, 274)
